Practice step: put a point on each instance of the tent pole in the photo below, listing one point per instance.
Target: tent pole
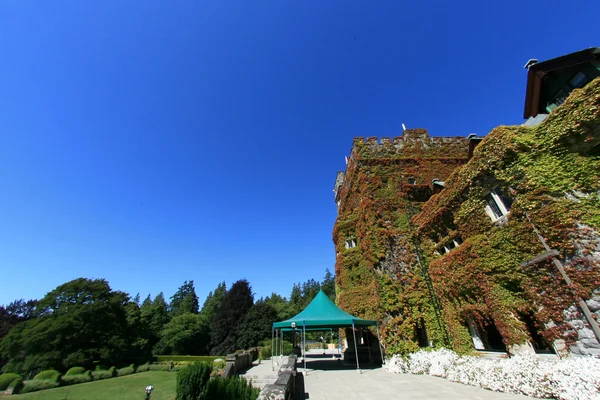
(272, 343)
(333, 352)
(281, 349)
(304, 345)
(340, 342)
(380, 345)
(355, 348)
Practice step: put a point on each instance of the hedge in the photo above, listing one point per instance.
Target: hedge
(209, 359)
(143, 367)
(75, 379)
(35, 385)
(126, 371)
(75, 371)
(6, 379)
(105, 374)
(49, 375)
(16, 385)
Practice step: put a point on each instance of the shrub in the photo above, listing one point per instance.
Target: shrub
(16, 386)
(48, 375)
(113, 371)
(75, 371)
(98, 375)
(41, 384)
(265, 351)
(6, 379)
(191, 381)
(168, 359)
(75, 379)
(125, 371)
(88, 373)
(158, 367)
(234, 388)
(143, 367)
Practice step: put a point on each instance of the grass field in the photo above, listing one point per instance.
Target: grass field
(130, 387)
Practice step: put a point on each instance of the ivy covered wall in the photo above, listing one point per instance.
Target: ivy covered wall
(385, 185)
(425, 264)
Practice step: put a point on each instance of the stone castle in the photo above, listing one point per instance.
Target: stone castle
(479, 244)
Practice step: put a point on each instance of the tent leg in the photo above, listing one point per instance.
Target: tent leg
(272, 348)
(333, 352)
(380, 345)
(281, 349)
(355, 348)
(304, 346)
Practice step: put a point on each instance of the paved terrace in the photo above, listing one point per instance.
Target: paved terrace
(333, 379)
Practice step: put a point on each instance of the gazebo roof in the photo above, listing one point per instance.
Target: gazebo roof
(323, 313)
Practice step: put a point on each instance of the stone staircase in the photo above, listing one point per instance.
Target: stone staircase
(261, 373)
(260, 381)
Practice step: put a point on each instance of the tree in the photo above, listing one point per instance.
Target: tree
(185, 334)
(256, 325)
(154, 316)
(328, 284)
(229, 314)
(82, 320)
(281, 306)
(184, 300)
(213, 301)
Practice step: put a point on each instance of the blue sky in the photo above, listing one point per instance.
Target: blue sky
(152, 142)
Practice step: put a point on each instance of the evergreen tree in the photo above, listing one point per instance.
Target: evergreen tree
(184, 300)
(228, 316)
(328, 284)
(155, 316)
(213, 301)
(256, 325)
(281, 306)
(185, 334)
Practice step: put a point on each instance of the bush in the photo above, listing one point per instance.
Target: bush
(75, 371)
(234, 388)
(75, 379)
(6, 379)
(191, 381)
(98, 375)
(41, 384)
(158, 367)
(265, 351)
(16, 386)
(48, 375)
(88, 374)
(125, 371)
(143, 367)
(168, 359)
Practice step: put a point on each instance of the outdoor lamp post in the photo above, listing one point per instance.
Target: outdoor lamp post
(149, 390)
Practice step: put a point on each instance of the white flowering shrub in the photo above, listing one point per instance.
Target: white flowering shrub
(571, 379)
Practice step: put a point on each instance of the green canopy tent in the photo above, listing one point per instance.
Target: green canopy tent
(322, 313)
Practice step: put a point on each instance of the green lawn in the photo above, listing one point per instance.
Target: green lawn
(130, 387)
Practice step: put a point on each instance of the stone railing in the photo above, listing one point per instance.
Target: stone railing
(239, 361)
(284, 387)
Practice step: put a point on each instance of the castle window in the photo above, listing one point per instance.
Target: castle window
(350, 243)
(497, 205)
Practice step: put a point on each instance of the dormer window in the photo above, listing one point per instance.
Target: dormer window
(497, 205)
(412, 181)
(350, 243)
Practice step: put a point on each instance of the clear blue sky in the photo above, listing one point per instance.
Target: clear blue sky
(152, 142)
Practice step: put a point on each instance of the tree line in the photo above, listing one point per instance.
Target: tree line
(85, 323)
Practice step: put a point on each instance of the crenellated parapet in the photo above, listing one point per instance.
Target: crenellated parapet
(414, 143)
